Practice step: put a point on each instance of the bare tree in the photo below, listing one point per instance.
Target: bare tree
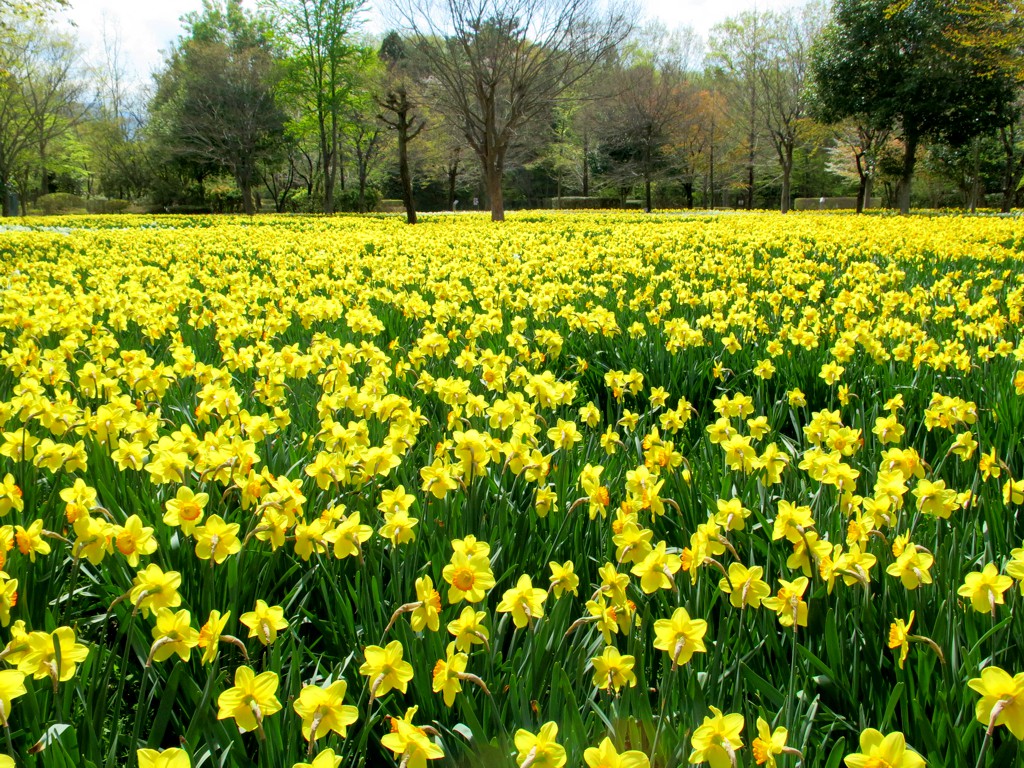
(401, 112)
(118, 153)
(784, 75)
(651, 106)
(651, 109)
(500, 64)
(738, 51)
(855, 156)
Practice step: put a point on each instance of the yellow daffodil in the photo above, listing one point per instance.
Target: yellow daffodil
(612, 670)
(251, 700)
(523, 601)
(877, 749)
(680, 636)
(985, 588)
(168, 758)
(264, 622)
(323, 710)
(717, 740)
(540, 749)
(385, 668)
(604, 755)
(1002, 700)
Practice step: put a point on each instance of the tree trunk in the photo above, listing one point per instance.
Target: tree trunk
(750, 173)
(647, 195)
(362, 186)
(907, 175)
(403, 170)
(711, 176)
(329, 189)
(492, 178)
(245, 185)
(5, 196)
(586, 164)
(330, 160)
(453, 175)
(494, 194)
(862, 187)
(44, 179)
(688, 194)
(975, 188)
(1013, 168)
(787, 173)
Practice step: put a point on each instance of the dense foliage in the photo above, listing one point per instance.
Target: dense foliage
(292, 105)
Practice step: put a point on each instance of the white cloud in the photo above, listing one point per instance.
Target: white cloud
(145, 28)
(148, 27)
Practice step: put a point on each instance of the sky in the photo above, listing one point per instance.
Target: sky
(146, 27)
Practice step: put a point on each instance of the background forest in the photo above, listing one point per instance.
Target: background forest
(290, 105)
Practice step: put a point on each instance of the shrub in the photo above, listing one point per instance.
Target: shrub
(60, 202)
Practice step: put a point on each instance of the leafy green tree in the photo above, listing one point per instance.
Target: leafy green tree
(898, 65)
(323, 61)
(40, 101)
(364, 132)
(1011, 140)
(215, 104)
(15, 10)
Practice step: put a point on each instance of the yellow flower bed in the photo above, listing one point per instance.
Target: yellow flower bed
(614, 490)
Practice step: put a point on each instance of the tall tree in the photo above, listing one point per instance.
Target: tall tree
(1011, 139)
(399, 111)
(215, 102)
(898, 65)
(40, 99)
(653, 102)
(364, 133)
(19, 10)
(784, 80)
(114, 132)
(323, 62)
(855, 155)
(738, 53)
(500, 64)
(650, 108)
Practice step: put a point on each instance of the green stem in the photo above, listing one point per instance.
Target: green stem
(119, 698)
(75, 568)
(790, 704)
(661, 714)
(10, 742)
(984, 748)
(137, 726)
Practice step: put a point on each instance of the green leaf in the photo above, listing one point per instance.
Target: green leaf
(58, 746)
(776, 698)
(835, 757)
(890, 706)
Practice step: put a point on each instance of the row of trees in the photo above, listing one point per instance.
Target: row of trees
(291, 106)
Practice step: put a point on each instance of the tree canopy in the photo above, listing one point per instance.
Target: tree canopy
(215, 105)
(896, 64)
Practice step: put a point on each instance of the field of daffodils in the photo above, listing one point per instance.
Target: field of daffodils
(612, 491)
